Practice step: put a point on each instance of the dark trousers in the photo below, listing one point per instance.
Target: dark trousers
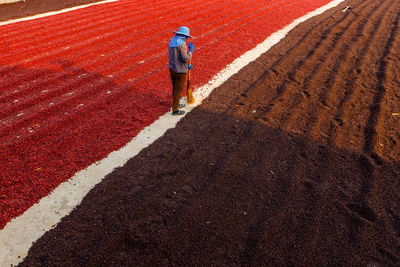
(178, 84)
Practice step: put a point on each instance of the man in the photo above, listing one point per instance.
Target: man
(178, 66)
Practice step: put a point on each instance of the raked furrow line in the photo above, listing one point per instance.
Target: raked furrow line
(339, 79)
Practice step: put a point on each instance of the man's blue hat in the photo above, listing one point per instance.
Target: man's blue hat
(183, 31)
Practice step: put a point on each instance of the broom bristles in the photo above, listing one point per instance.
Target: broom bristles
(189, 96)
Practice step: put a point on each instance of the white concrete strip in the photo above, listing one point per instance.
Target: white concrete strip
(19, 234)
(10, 1)
(47, 14)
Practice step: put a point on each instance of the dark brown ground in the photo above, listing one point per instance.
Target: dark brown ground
(293, 161)
(33, 7)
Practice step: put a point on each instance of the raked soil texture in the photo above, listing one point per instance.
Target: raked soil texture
(78, 85)
(26, 8)
(291, 162)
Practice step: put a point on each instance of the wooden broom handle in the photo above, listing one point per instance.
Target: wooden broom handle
(190, 63)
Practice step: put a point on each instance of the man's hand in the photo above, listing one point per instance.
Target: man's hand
(191, 47)
(190, 66)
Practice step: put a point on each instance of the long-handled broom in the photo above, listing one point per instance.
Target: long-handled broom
(189, 95)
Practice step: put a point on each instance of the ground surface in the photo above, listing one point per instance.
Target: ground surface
(33, 7)
(293, 161)
(79, 85)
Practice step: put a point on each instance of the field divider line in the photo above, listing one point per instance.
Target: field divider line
(20, 233)
(47, 14)
(10, 1)
(68, 18)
